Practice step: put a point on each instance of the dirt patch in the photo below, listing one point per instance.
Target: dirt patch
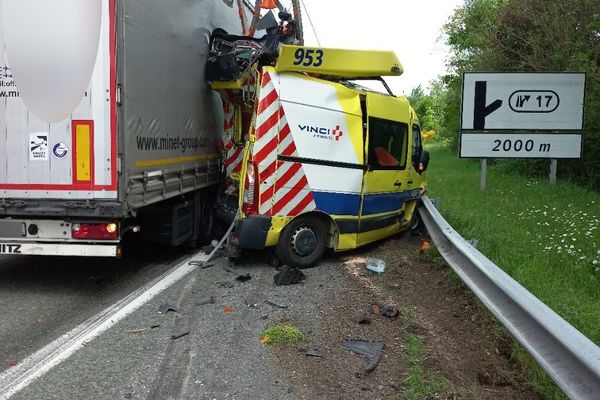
(462, 347)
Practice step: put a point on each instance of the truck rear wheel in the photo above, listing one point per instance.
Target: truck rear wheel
(206, 222)
(303, 242)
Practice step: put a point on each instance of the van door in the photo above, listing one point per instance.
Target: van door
(385, 181)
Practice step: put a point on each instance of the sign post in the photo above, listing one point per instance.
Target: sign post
(522, 115)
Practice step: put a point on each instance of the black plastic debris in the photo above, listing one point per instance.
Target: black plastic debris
(314, 353)
(271, 303)
(288, 276)
(165, 308)
(243, 278)
(225, 284)
(179, 335)
(370, 349)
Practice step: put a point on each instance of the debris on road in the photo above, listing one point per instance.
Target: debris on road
(211, 300)
(243, 278)
(155, 326)
(375, 265)
(13, 363)
(251, 303)
(314, 353)
(265, 340)
(370, 349)
(139, 330)
(271, 303)
(165, 308)
(180, 335)
(201, 264)
(288, 276)
(228, 310)
(385, 310)
(425, 246)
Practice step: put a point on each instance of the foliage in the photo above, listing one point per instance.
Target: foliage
(531, 36)
(278, 334)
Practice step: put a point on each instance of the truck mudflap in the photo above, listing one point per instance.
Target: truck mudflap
(60, 249)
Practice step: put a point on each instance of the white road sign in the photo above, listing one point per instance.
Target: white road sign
(520, 145)
(523, 101)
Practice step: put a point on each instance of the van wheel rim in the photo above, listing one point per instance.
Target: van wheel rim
(304, 241)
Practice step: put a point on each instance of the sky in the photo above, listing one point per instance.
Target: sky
(413, 29)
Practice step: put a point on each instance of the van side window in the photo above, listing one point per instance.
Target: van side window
(417, 146)
(387, 144)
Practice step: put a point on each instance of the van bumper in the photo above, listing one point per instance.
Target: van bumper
(251, 232)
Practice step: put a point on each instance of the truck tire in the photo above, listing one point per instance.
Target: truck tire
(206, 222)
(302, 242)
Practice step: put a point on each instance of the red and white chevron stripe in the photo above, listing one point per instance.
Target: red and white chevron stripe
(233, 154)
(284, 189)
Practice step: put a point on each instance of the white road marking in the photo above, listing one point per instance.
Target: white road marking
(15, 379)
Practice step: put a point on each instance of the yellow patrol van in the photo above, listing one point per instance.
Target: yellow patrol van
(314, 159)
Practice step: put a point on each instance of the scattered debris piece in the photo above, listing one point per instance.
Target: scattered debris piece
(370, 349)
(211, 300)
(128, 395)
(180, 335)
(228, 310)
(271, 303)
(425, 246)
(288, 276)
(225, 284)
(13, 363)
(385, 310)
(251, 303)
(231, 270)
(360, 317)
(39, 321)
(165, 308)
(201, 264)
(314, 353)
(243, 278)
(393, 384)
(375, 265)
(265, 340)
(139, 330)
(264, 317)
(155, 326)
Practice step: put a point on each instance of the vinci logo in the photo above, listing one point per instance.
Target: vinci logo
(323, 133)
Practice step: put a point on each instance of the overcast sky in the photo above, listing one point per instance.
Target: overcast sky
(411, 28)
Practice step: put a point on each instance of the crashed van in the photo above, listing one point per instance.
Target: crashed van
(316, 160)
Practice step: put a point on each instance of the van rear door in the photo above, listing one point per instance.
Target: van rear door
(57, 99)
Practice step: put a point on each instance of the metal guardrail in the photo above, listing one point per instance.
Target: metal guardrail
(571, 359)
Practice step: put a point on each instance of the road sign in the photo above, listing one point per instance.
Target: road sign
(523, 101)
(520, 145)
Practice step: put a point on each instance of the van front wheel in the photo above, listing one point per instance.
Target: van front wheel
(303, 242)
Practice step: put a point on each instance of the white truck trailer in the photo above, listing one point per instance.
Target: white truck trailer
(107, 124)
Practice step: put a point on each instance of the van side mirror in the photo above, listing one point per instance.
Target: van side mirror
(423, 163)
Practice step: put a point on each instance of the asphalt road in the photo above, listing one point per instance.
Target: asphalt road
(41, 298)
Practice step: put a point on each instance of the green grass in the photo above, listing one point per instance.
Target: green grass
(545, 236)
(420, 382)
(278, 334)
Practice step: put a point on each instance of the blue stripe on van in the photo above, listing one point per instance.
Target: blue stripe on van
(387, 202)
(338, 203)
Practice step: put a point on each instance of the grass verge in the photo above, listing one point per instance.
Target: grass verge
(545, 236)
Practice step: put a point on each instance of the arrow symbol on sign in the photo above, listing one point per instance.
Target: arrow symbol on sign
(481, 111)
